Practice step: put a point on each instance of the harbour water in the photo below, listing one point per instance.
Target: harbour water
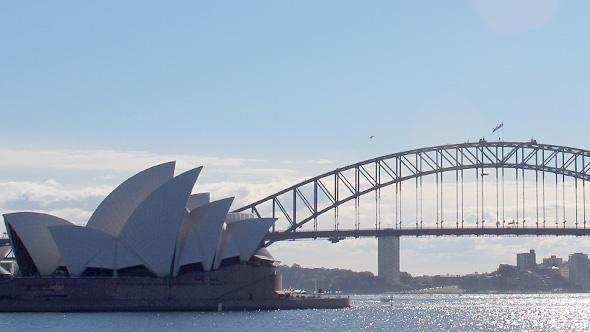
(406, 312)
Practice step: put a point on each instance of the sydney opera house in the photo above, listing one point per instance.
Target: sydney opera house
(150, 245)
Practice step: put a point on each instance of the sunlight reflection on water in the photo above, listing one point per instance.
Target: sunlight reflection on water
(407, 312)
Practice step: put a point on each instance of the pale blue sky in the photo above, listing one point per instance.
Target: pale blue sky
(91, 92)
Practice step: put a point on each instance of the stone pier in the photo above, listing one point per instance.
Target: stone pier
(388, 255)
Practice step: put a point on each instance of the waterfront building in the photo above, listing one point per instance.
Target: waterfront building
(150, 245)
(526, 261)
(579, 271)
(552, 261)
(149, 225)
(565, 271)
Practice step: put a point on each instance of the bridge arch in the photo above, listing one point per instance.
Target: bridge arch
(307, 200)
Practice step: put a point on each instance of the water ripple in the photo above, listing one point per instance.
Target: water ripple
(407, 312)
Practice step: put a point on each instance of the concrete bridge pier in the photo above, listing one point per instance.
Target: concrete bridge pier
(388, 258)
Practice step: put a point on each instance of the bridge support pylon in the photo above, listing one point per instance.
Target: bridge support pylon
(388, 258)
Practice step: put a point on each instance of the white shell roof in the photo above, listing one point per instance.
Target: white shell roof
(117, 207)
(152, 229)
(115, 256)
(33, 230)
(78, 245)
(248, 233)
(204, 229)
(190, 251)
(229, 247)
(241, 236)
(151, 220)
(126, 257)
(106, 258)
(263, 253)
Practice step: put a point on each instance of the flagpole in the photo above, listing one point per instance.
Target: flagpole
(500, 126)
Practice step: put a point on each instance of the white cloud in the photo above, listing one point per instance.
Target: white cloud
(46, 192)
(244, 193)
(223, 177)
(70, 203)
(321, 161)
(108, 160)
(77, 216)
(216, 169)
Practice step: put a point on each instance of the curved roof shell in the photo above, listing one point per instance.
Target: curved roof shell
(150, 221)
(33, 230)
(228, 248)
(249, 233)
(264, 254)
(115, 256)
(203, 230)
(117, 207)
(78, 245)
(152, 229)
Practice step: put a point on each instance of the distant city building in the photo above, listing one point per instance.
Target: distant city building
(423, 280)
(565, 271)
(446, 280)
(579, 270)
(553, 261)
(526, 261)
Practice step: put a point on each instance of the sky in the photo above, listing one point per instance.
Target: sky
(264, 94)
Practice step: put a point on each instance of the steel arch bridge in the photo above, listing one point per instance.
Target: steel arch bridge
(301, 204)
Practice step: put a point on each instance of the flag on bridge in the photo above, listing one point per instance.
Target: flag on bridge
(498, 127)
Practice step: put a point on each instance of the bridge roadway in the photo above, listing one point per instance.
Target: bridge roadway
(340, 234)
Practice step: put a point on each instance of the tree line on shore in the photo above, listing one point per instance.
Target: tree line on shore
(505, 279)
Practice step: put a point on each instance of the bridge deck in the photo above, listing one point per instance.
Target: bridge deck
(336, 235)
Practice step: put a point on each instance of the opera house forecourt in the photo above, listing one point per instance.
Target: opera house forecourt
(150, 245)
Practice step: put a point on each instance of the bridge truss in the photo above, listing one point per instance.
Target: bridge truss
(302, 204)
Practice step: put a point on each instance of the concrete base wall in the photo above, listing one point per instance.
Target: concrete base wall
(237, 287)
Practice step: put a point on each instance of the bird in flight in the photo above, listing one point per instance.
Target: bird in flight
(372, 136)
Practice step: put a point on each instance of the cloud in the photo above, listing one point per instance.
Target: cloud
(253, 175)
(510, 16)
(108, 160)
(46, 193)
(246, 179)
(244, 193)
(70, 203)
(321, 161)
(100, 164)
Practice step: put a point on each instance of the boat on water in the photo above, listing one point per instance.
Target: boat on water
(386, 298)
